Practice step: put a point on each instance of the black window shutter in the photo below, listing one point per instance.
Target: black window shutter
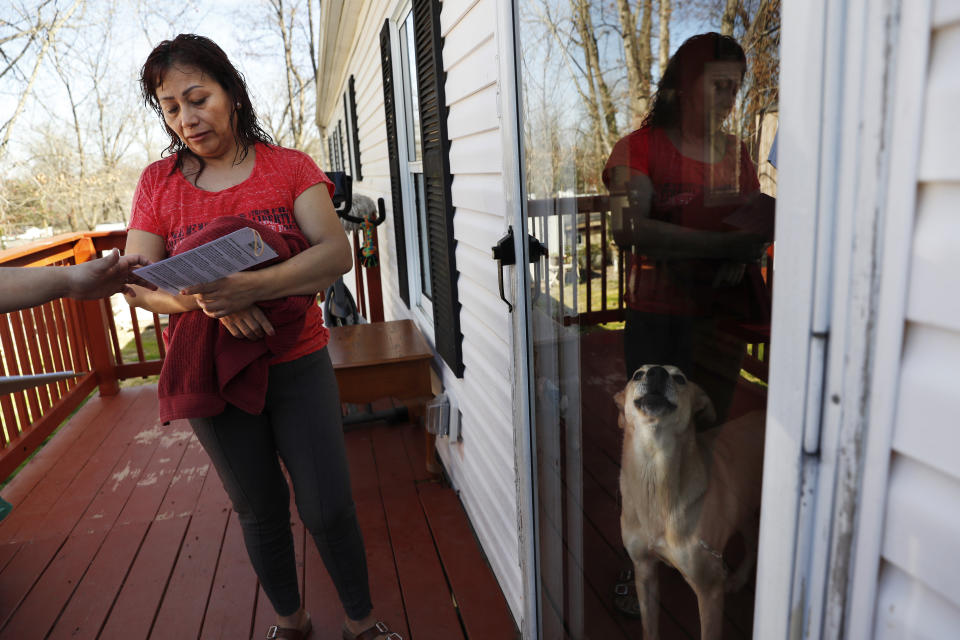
(390, 117)
(437, 182)
(358, 173)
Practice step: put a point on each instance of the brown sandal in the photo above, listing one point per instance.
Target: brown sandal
(379, 631)
(286, 633)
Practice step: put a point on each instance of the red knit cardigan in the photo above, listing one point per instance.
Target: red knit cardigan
(206, 367)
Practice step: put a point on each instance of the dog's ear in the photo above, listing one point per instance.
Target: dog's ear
(618, 399)
(703, 412)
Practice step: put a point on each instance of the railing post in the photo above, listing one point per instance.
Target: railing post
(374, 287)
(93, 317)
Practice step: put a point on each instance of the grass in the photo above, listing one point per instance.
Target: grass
(150, 352)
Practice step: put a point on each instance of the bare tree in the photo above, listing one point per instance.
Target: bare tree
(729, 16)
(596, 83)
(636, 48)
(666, 9)
(291, 25)
(755, 24)
(33, 27)
(161, 21)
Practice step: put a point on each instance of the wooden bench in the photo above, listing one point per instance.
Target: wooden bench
(385, 360)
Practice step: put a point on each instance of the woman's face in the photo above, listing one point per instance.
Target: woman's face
(712, 95)
(199, 111)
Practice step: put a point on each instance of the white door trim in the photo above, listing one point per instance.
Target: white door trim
(837, 66)
(516, 288)
(909, 57)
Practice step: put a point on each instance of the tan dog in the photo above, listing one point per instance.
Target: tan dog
(685, 494)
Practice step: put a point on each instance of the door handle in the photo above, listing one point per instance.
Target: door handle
(505, 254)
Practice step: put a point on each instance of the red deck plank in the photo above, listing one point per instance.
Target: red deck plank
(97, 474)
(413, 442)
(185, 600)
(133, 612)
(21, 573)
(57, 583)
(113, 493)
(482, 606)
(62, 515)
(37, 613)
(94, 596)
(381, 564)
(7, 551)
(64, 460)
(234, 590)
(430, 611)
(91, 601)
(138, 546)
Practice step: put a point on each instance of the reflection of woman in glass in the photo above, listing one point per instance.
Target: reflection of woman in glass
(682, 191)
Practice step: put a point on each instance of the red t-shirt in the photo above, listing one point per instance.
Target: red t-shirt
(169, 206)
(693, 194)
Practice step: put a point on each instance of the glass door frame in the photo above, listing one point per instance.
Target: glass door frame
(785, 527)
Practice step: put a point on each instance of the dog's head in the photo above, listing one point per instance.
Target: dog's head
(662, 397)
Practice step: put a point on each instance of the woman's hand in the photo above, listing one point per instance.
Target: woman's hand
(226, 296)
(250, 323)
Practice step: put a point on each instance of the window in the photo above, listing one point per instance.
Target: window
(341, 154)
(415, 115)
(335, 149)
(411, 107)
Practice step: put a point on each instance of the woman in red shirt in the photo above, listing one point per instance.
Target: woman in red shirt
(222, 164)
(680, 187)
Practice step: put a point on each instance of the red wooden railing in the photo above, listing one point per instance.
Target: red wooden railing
(82, 336)
(367, 281)
(60, 335)
(573, 229)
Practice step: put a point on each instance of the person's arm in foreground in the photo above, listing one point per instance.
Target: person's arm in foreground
(22, 287)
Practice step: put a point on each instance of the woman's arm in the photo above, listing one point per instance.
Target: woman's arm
(151, 246)
(306, 273)
(630, 198)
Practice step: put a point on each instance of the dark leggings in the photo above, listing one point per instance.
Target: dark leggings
(301, 423)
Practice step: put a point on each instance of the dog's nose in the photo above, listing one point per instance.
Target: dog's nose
(657, 376)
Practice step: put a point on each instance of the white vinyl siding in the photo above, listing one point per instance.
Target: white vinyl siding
(483, 465)
(918, 591)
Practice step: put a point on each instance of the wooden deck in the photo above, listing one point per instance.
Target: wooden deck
(121, 529)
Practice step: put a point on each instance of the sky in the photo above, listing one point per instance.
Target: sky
(221, 20)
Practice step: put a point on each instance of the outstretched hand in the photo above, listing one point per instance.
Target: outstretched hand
(105, 276)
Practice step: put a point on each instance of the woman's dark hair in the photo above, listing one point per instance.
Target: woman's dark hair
(188, 49)
(686, 65)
